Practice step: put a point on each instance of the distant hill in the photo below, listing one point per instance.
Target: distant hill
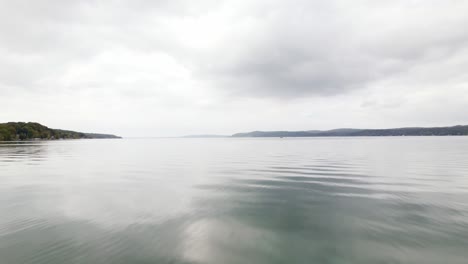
(30, 131)
(350, 132)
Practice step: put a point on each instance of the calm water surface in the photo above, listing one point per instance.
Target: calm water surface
(317, 200)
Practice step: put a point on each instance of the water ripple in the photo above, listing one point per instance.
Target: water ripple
(359, 200)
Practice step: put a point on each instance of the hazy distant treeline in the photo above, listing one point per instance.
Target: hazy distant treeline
(346, 132)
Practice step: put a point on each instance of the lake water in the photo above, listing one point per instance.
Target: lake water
(303, 200)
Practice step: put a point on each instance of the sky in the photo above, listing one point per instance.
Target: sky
(180, 67)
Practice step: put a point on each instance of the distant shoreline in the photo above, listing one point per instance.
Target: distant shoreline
(352, 132)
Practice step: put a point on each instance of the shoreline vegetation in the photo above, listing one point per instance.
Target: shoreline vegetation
(18, 131)
(21, 131)
(352, 132)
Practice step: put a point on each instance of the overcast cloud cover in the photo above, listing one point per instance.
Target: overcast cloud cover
(162, 68)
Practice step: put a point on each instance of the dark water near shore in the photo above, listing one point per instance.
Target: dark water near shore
(317, 200)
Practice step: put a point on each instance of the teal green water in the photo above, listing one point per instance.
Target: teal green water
(317, 200)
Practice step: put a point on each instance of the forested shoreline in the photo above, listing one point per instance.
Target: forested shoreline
(15, 131)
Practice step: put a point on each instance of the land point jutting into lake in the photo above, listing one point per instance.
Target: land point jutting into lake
(14, 131)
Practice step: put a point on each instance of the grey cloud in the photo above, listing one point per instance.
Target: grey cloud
(306, 49)
(391, 103)
(273, 49)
